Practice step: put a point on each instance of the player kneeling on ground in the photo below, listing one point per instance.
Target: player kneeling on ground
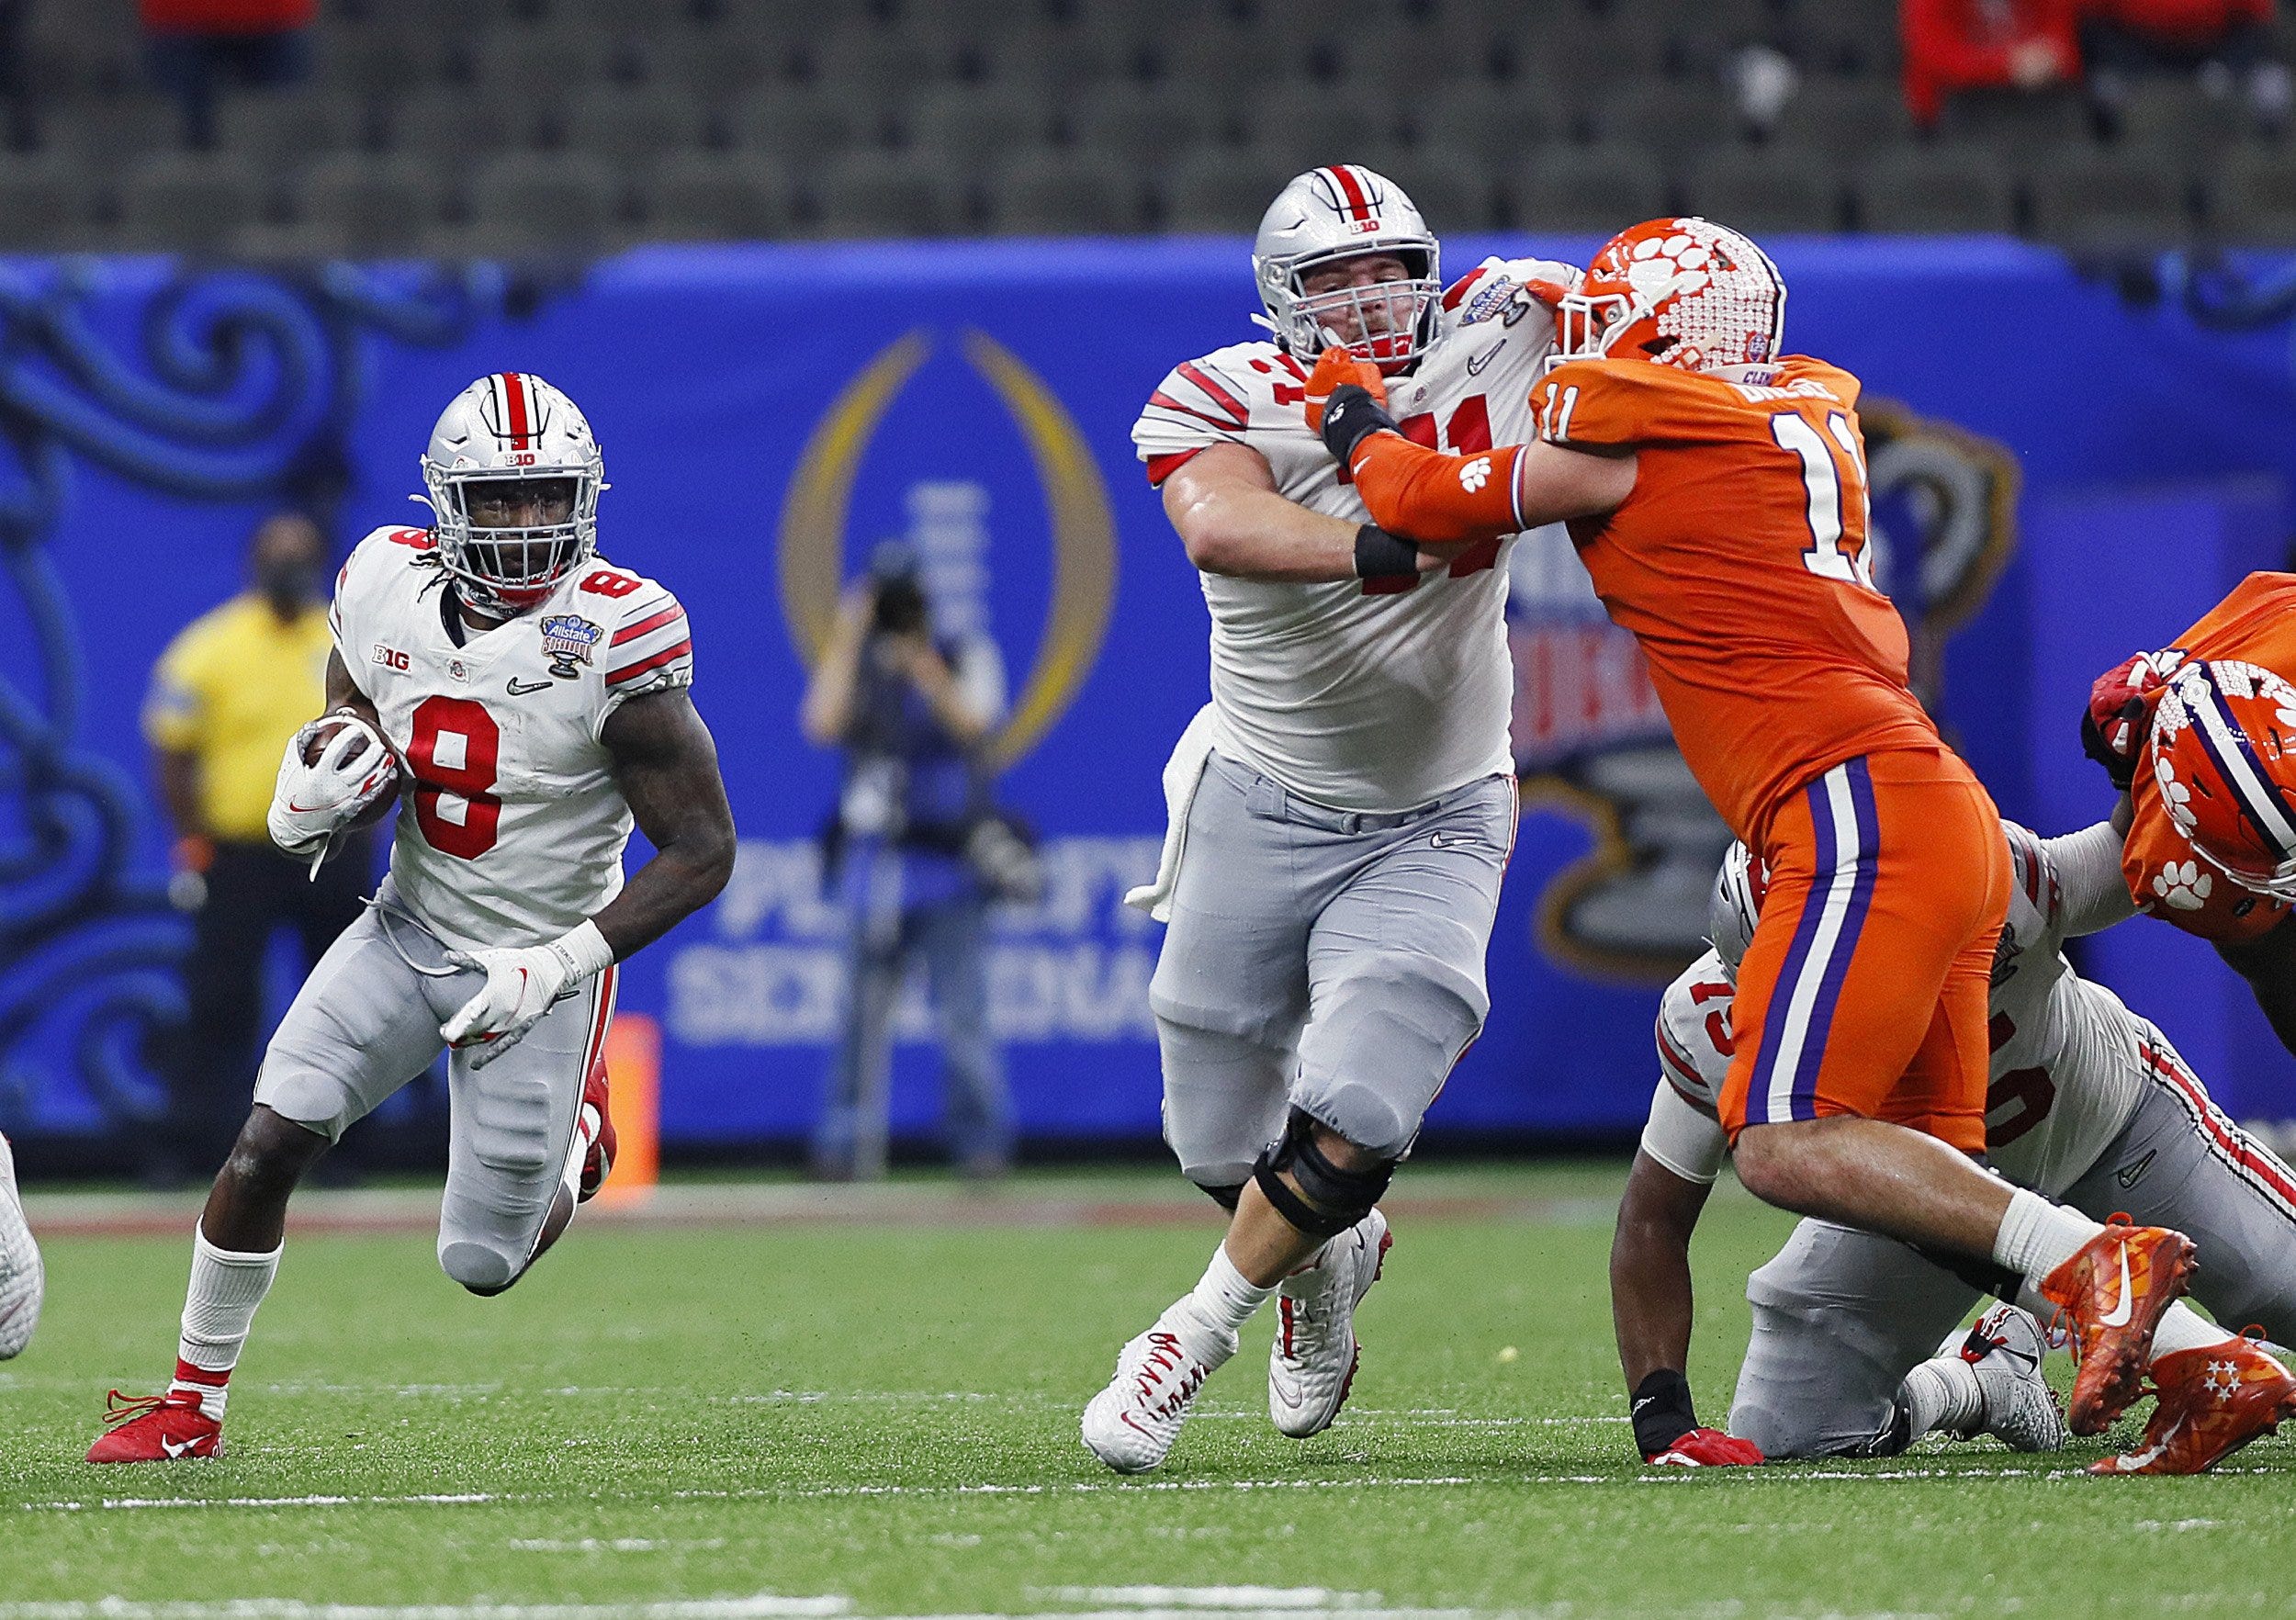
(2088, 1103)
(536, 695)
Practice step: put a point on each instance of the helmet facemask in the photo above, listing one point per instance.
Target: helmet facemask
(1394, 320)
(512, 568)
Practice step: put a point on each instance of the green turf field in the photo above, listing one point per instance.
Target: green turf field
(880, 1417)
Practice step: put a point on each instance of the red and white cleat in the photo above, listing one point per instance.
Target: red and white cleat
(1131, 1425)
(2111, 1296)
(598, 1162)
(1312, 1365)
(2213, 1400)
(156, 1428)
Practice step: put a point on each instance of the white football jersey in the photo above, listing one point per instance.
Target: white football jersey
(1357, 694)
(510, 826)
(2068, 1058)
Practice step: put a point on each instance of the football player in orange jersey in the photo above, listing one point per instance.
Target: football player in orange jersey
(1716, 494)
(2199, 736)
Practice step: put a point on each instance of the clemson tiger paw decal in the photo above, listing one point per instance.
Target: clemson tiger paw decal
(2182, 884)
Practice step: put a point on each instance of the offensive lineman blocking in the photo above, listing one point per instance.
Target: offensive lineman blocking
(1341, 811)
(1715, 491)
(538, 697)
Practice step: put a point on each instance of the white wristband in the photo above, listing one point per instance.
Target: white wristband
(585, 952)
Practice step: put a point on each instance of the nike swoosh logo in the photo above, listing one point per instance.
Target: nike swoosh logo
(176, 1447)
(521, 688)
(1475, 365)
(2119, 1315)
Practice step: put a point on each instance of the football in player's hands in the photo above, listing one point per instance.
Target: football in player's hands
(383, 779)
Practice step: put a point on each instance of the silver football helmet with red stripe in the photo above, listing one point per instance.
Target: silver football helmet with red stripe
(1735, 907)
(521, 453)
(1338, 212)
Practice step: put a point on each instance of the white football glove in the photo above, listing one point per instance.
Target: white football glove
(521, 986)
(312, 803)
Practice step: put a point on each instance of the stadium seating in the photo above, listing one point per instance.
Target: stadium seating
(740, 118)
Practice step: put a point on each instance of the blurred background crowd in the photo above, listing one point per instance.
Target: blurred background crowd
(290, 127)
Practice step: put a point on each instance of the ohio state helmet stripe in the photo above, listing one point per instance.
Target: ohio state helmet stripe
(514, 397)
(2242, 773)
(1357, 201)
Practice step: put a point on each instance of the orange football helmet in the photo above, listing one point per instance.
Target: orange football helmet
(2224, 754)
(1682, 292)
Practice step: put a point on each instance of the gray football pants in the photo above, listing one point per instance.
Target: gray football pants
(1841, 1316)
(366, 1022)
(1327, 960)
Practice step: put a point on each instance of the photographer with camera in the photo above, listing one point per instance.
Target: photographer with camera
(916, 851)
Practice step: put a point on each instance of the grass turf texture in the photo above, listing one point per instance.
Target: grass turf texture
(886, 1414)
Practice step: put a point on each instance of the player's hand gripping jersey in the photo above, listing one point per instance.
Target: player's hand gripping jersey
(2069, 1060)
(1366, 694)
(512, 828)
(2166, 875)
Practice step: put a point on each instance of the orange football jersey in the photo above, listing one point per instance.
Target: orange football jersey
(1739, 562)
(2256, 624)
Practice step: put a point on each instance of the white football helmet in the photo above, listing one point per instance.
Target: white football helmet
(1735, 906)
(511, 426)
(1342, 211)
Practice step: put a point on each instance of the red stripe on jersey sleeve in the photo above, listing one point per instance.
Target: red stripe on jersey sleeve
(1161, 467)
(1164, 402)
(1214, 389)
(1462, 286)
(668, 655)
(645, 627)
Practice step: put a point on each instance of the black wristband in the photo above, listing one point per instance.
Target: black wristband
(1380, 556)
(1351, 416)
(1662, 1410)
(2120, 768)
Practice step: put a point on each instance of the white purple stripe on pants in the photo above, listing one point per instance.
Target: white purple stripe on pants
(1801, 1010)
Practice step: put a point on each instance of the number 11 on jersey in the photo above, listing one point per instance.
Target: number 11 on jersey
(1823, 474)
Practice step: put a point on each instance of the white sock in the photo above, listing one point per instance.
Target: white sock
(2037, 1236)
(217, 1308)
(2186, 1329)
(1222, 1301)
(1943, 1393)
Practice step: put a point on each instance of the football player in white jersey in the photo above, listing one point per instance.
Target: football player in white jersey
(1341, 810)
(531, 699)
(23, 1283)
(2089, 1104)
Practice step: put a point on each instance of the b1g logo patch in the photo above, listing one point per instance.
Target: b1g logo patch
(567, 641)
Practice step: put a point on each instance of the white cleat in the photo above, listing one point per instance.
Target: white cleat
(1311, 1365)
(2006, 1348)
(23, 1283)
(1131, 1425)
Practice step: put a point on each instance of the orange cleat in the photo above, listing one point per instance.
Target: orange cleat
(2111, 1296)
(2213, 1400)
(156, 1428)
(598, 1162)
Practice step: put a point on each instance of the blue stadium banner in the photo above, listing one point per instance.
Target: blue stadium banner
(768, 413)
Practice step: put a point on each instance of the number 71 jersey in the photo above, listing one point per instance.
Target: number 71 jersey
(510, 826)
(1740, 563)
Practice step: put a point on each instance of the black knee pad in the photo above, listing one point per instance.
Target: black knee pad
(1329, 1199)
(1227, 1197)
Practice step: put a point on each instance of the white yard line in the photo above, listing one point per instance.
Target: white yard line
(761, 1607)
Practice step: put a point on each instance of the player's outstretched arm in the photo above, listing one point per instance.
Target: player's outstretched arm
(1650, 1300)
(666, 763)
(1225, 505)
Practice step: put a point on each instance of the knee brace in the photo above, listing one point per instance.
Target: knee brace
(1329, 1199)
(1227, 1196)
